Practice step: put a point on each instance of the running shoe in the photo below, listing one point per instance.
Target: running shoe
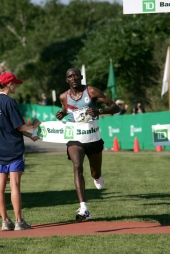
(99, 182)
(83, 215)
(8, 225)
(22, 225)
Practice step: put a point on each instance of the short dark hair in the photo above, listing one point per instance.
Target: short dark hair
(73, 68)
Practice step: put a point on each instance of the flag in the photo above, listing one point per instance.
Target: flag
(111, 83)
(83, 73)
(166, 74)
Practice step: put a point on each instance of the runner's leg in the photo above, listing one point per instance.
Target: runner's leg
(77, 154)
(95, 161)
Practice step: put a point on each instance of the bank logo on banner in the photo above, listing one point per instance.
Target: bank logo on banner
(42, 132)
(160, 135)
(145, 6)
(69, 132)
(149, 6)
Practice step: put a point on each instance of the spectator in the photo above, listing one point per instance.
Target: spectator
(2, 67)
(12, 129)
(138, 108)
(123, 107)
(37, 100)
(28, 99)
(20, 98)
(44, 99)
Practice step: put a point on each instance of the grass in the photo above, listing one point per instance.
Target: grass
(136, 188)
(116, 244)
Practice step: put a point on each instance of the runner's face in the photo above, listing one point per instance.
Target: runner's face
(73, 78)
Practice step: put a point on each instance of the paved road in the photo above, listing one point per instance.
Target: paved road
(48, 147)
(43, 147)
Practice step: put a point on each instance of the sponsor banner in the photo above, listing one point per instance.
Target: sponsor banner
(134, 130)
(145, 6)
(125, 127)
(62, 132)
(161, 134)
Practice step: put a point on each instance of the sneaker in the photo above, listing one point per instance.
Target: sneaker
(8, 225)
(99, 183)
(83, 215)
(22, 225)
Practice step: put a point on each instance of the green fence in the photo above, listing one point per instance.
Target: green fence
(127, 127)
(124, 127)
(43, 113)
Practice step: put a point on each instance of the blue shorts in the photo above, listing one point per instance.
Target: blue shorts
(15, 166)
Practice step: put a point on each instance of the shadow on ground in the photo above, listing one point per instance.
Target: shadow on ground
(66, 197)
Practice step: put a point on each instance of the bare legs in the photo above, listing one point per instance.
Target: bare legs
(77, 156)
(95, 161)
(3, 180)
(15, 178)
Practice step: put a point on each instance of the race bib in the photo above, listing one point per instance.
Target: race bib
(80, 115)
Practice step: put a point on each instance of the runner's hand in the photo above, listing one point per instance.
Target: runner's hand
(60, 114)
(92, 111)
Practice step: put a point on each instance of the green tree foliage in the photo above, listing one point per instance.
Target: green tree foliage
(132, 42)
(39, 43)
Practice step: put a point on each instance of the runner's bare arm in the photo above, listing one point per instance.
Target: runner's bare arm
(112, 108)
(62, 113)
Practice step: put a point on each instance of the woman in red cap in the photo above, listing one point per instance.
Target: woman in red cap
(12, 129)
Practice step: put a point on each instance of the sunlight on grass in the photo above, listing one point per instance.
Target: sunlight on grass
(136, 189)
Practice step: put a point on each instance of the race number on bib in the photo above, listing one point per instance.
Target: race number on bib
(80, 115)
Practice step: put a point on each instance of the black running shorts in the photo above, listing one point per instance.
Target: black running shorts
(89, 148)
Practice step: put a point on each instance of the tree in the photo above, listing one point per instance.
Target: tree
(130, 42)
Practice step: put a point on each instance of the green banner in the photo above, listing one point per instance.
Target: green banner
(124, 127)
(43, 113)
(127, 127)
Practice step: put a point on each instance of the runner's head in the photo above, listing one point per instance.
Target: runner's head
(74, 77)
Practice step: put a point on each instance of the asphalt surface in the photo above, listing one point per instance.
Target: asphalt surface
(43, 147)
(48, 147)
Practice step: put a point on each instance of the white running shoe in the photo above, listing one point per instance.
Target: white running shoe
(83, 215)
(8, 225)
(22, 225)
(99, 182)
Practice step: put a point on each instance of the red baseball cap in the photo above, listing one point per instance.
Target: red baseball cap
(7, 77)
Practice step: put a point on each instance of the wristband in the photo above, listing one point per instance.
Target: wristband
(100, 111)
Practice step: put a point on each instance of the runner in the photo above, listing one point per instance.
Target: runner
(79, 103)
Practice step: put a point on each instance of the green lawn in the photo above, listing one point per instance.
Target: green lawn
(137, 188)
